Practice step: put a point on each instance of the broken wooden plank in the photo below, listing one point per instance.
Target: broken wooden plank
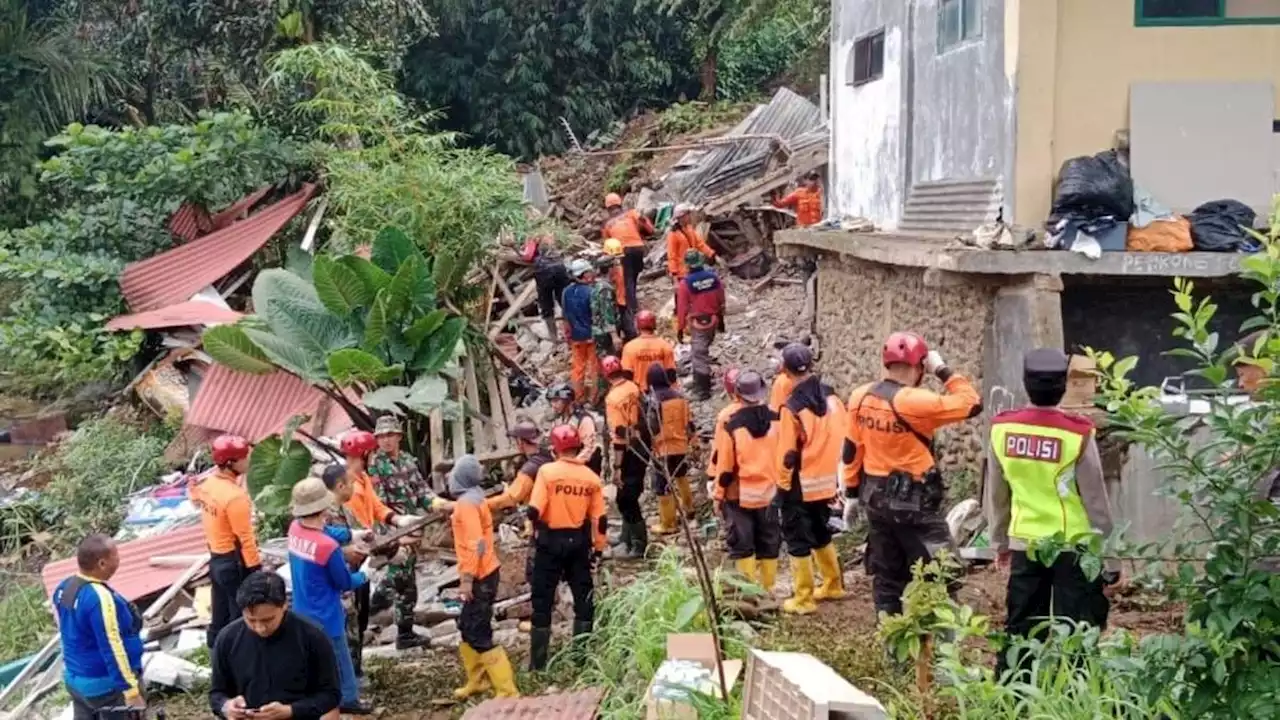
(497, 413)
(177, 560)
(528, 295)
(490, 457)
(51, 648)
(163, 601)
(512, 602)
(503, 287)
(480, 430)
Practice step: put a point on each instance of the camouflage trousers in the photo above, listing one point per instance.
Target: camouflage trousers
(356, 606)
(402, 577)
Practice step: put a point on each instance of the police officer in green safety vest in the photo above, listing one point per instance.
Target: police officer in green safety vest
(1044, 476)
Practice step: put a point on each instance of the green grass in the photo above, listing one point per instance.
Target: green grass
(26, 623)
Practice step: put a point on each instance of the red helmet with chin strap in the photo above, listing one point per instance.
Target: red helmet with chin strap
(904, 348)
(359, 443)
(646, 320)
(564, 438)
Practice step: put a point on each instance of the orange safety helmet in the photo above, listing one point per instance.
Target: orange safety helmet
(358, 443)
(229, 448)
(613, 200)
(564, 438)
(904, 348)
(731, 380)
(610, 366)
(646, 320)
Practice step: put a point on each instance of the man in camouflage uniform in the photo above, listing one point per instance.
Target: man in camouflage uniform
(604, 317)
(400, 484)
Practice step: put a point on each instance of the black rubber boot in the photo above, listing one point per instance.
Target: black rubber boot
(407, 639)
(539, 648)
(640, 540)
(361, 707)
(581, 633)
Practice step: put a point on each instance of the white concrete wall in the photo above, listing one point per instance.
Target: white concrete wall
(867, 139)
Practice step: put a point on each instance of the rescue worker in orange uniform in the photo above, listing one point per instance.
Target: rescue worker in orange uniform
(805, 200)
(630, 229)
(682, 238)
(646, 350)
(578, 321)
(369, 510)
(888, 466)
(629, 458)
(226, 511)
(529, 443)
(583, 421)
(570, 526)
(618, 279)
(730, 390)
(785, 381)
(746, 481)
(667, 424)
(700, 310)
(811, 430)
(485, 663)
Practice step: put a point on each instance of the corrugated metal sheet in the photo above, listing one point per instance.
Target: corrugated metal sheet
(704, 174)
(137, 577)
(256, 406)
(175, 275)
(192, 312)
(951, 207)
(190, 222)
(241, 206)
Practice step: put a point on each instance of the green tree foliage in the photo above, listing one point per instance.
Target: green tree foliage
(371, 327)
(506, 71)
(117, 191)
(384, 165)
(276, 464)
(47, 78)
(766, 48)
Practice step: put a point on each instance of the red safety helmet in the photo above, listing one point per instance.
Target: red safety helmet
(646, 320)
(564, 438)
(731, 380)
(905, 348)
(359, 443)
(229, 448)
(610, 366)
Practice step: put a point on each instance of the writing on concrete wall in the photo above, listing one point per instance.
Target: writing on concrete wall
(999, 400)
(1180, 263)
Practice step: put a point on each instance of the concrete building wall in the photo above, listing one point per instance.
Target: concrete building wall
(867, 171)
(1090, 52)
(962, 101)
(860, 303)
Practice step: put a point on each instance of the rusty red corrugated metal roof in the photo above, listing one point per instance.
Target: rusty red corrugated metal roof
(175, 275)
(582, 705)
(137, 577)
(256, 406)
(241, 206)
(189, 222)
(191, 312)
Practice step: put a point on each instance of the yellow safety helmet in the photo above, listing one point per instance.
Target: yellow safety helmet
(613, 246)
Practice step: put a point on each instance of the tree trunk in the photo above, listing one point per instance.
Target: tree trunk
(710, 62)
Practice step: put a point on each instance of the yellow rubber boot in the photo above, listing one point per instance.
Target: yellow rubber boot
(477, 681)
(500, 673)
(801, 600)
(666, 515)
(832, 587)
(686, 494)
(747, 568)
(768, 574)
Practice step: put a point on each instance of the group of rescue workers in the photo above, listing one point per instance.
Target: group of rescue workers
(782, 460)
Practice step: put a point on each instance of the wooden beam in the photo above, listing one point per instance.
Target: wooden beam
(163, 601)
(529, 294)
(497, 413)
(459, 426)
(435, 426)
(480, 431)
(176, 560)
(502, 287)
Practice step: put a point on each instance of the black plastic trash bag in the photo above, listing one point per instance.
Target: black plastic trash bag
(1091, 187)
(1218, 226)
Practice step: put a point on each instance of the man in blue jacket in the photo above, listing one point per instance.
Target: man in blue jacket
(582, 340)
(320, 577)
(101, 634)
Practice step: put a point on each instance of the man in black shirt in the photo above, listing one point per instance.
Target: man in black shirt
(272, 664)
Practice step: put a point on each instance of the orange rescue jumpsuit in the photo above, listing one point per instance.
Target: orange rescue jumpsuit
(644, 351)
(807, 204)
(746, 481)
(227, 515)
(680, 240)
(888, 458)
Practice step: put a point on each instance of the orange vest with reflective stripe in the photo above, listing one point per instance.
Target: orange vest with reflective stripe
(809, 443)
(747, 449)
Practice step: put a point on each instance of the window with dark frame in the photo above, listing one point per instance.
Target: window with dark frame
(868, 59)
(1207, 12)
(959, 21)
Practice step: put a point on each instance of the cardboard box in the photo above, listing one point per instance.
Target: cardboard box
(697, 648)
(1082, 384)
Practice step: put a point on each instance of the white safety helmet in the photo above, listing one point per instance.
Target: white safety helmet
(579, 267)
